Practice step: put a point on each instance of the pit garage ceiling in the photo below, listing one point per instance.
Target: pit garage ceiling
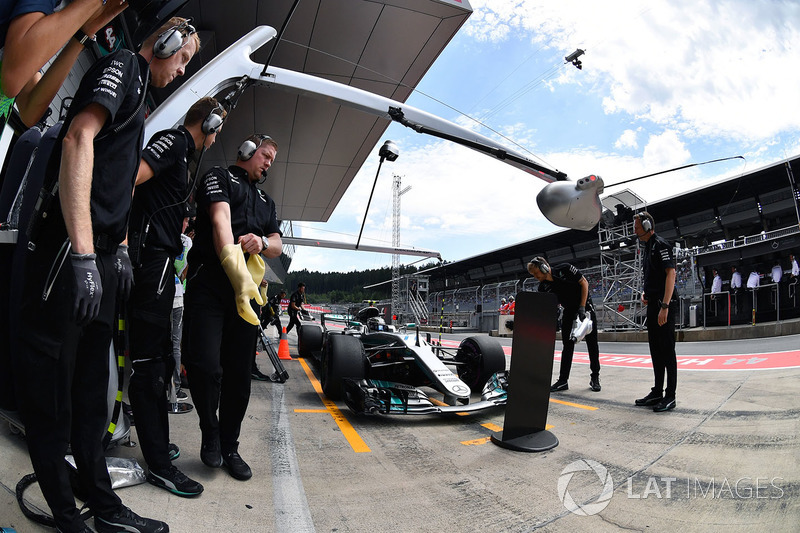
(384, 47)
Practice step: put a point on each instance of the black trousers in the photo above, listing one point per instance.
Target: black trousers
(150, 337)
(569, 347)
(61, 379)
(218, 352)
(293, 321)
(662, 347)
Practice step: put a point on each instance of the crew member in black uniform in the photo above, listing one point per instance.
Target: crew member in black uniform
(572, 290)
(296, 301)
(220, 332)
(157, 215)
(274, 318)
(659, 295)
(76, 269)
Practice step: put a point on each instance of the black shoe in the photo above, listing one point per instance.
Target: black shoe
(181, 396)
(175, 481)
(210, 454)
(559, 386)
(173, 451)
(257, 375)
(236, 466)
(666, 404)
(126, 520)
(84, 529)
(594, 384)
(651, 399)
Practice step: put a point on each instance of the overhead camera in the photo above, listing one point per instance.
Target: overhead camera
(573, 58)
(389, 151)
(145, 16)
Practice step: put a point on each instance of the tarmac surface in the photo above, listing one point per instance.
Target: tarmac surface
(726, 459)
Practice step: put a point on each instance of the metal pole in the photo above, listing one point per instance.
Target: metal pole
(369, 201)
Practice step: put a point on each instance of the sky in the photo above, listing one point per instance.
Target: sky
(663, 83)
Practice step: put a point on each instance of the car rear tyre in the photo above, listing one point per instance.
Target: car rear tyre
(482, 357)
(343, 358)
(309, 340)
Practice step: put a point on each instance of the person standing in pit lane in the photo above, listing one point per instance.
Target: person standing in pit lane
(296, 301)
(156, 224)
(74, 270)
(234, 217)
(572, 290)
(659, 295)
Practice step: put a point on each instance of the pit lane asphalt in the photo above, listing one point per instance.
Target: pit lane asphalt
(725, 459)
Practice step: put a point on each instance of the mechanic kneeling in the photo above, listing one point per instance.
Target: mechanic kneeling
(220, 328)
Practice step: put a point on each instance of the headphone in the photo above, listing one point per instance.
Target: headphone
(646, 225)
(248, 148)
(541, 264)
(172, 40)
(213, 121)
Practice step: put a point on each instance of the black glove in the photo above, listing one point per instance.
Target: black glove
(88, 287)
(582, 313)
(122, 264)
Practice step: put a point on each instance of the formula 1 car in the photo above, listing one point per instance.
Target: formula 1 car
(377, 368)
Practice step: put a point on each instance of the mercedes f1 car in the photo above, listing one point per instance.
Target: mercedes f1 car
(377, 368)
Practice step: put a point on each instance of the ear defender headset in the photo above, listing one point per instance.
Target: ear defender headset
(213, 121)
(646, 225)
(248, 148)
(172, 40)
(541, 264)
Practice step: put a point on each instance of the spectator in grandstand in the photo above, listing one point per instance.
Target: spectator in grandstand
(716, 285)
(736, 287)
(753, 280)
(660, 296)
(31, 33)
(777, 272)
(296, 301)
(572, 290)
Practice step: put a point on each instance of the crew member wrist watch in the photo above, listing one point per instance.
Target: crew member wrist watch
(664, 305)
(265, 242)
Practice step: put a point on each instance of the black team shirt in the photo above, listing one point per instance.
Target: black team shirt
(565, 286)
(117, 83)
(252, 211)
(159, 202)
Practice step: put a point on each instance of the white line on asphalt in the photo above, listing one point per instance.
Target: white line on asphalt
(288, 496)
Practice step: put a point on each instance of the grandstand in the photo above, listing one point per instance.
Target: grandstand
(748, 221)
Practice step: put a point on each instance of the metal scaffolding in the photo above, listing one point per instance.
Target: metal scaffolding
(621, 264)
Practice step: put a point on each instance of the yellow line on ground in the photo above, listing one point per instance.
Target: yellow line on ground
(495, 428)
(579, 406)
(349, 432)
(476, 442)
(310, 410)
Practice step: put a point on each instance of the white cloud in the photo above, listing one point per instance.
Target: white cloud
(723, 68)
(627, 140)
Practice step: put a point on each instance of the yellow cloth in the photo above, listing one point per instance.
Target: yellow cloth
(232, 259)
(256, 267)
